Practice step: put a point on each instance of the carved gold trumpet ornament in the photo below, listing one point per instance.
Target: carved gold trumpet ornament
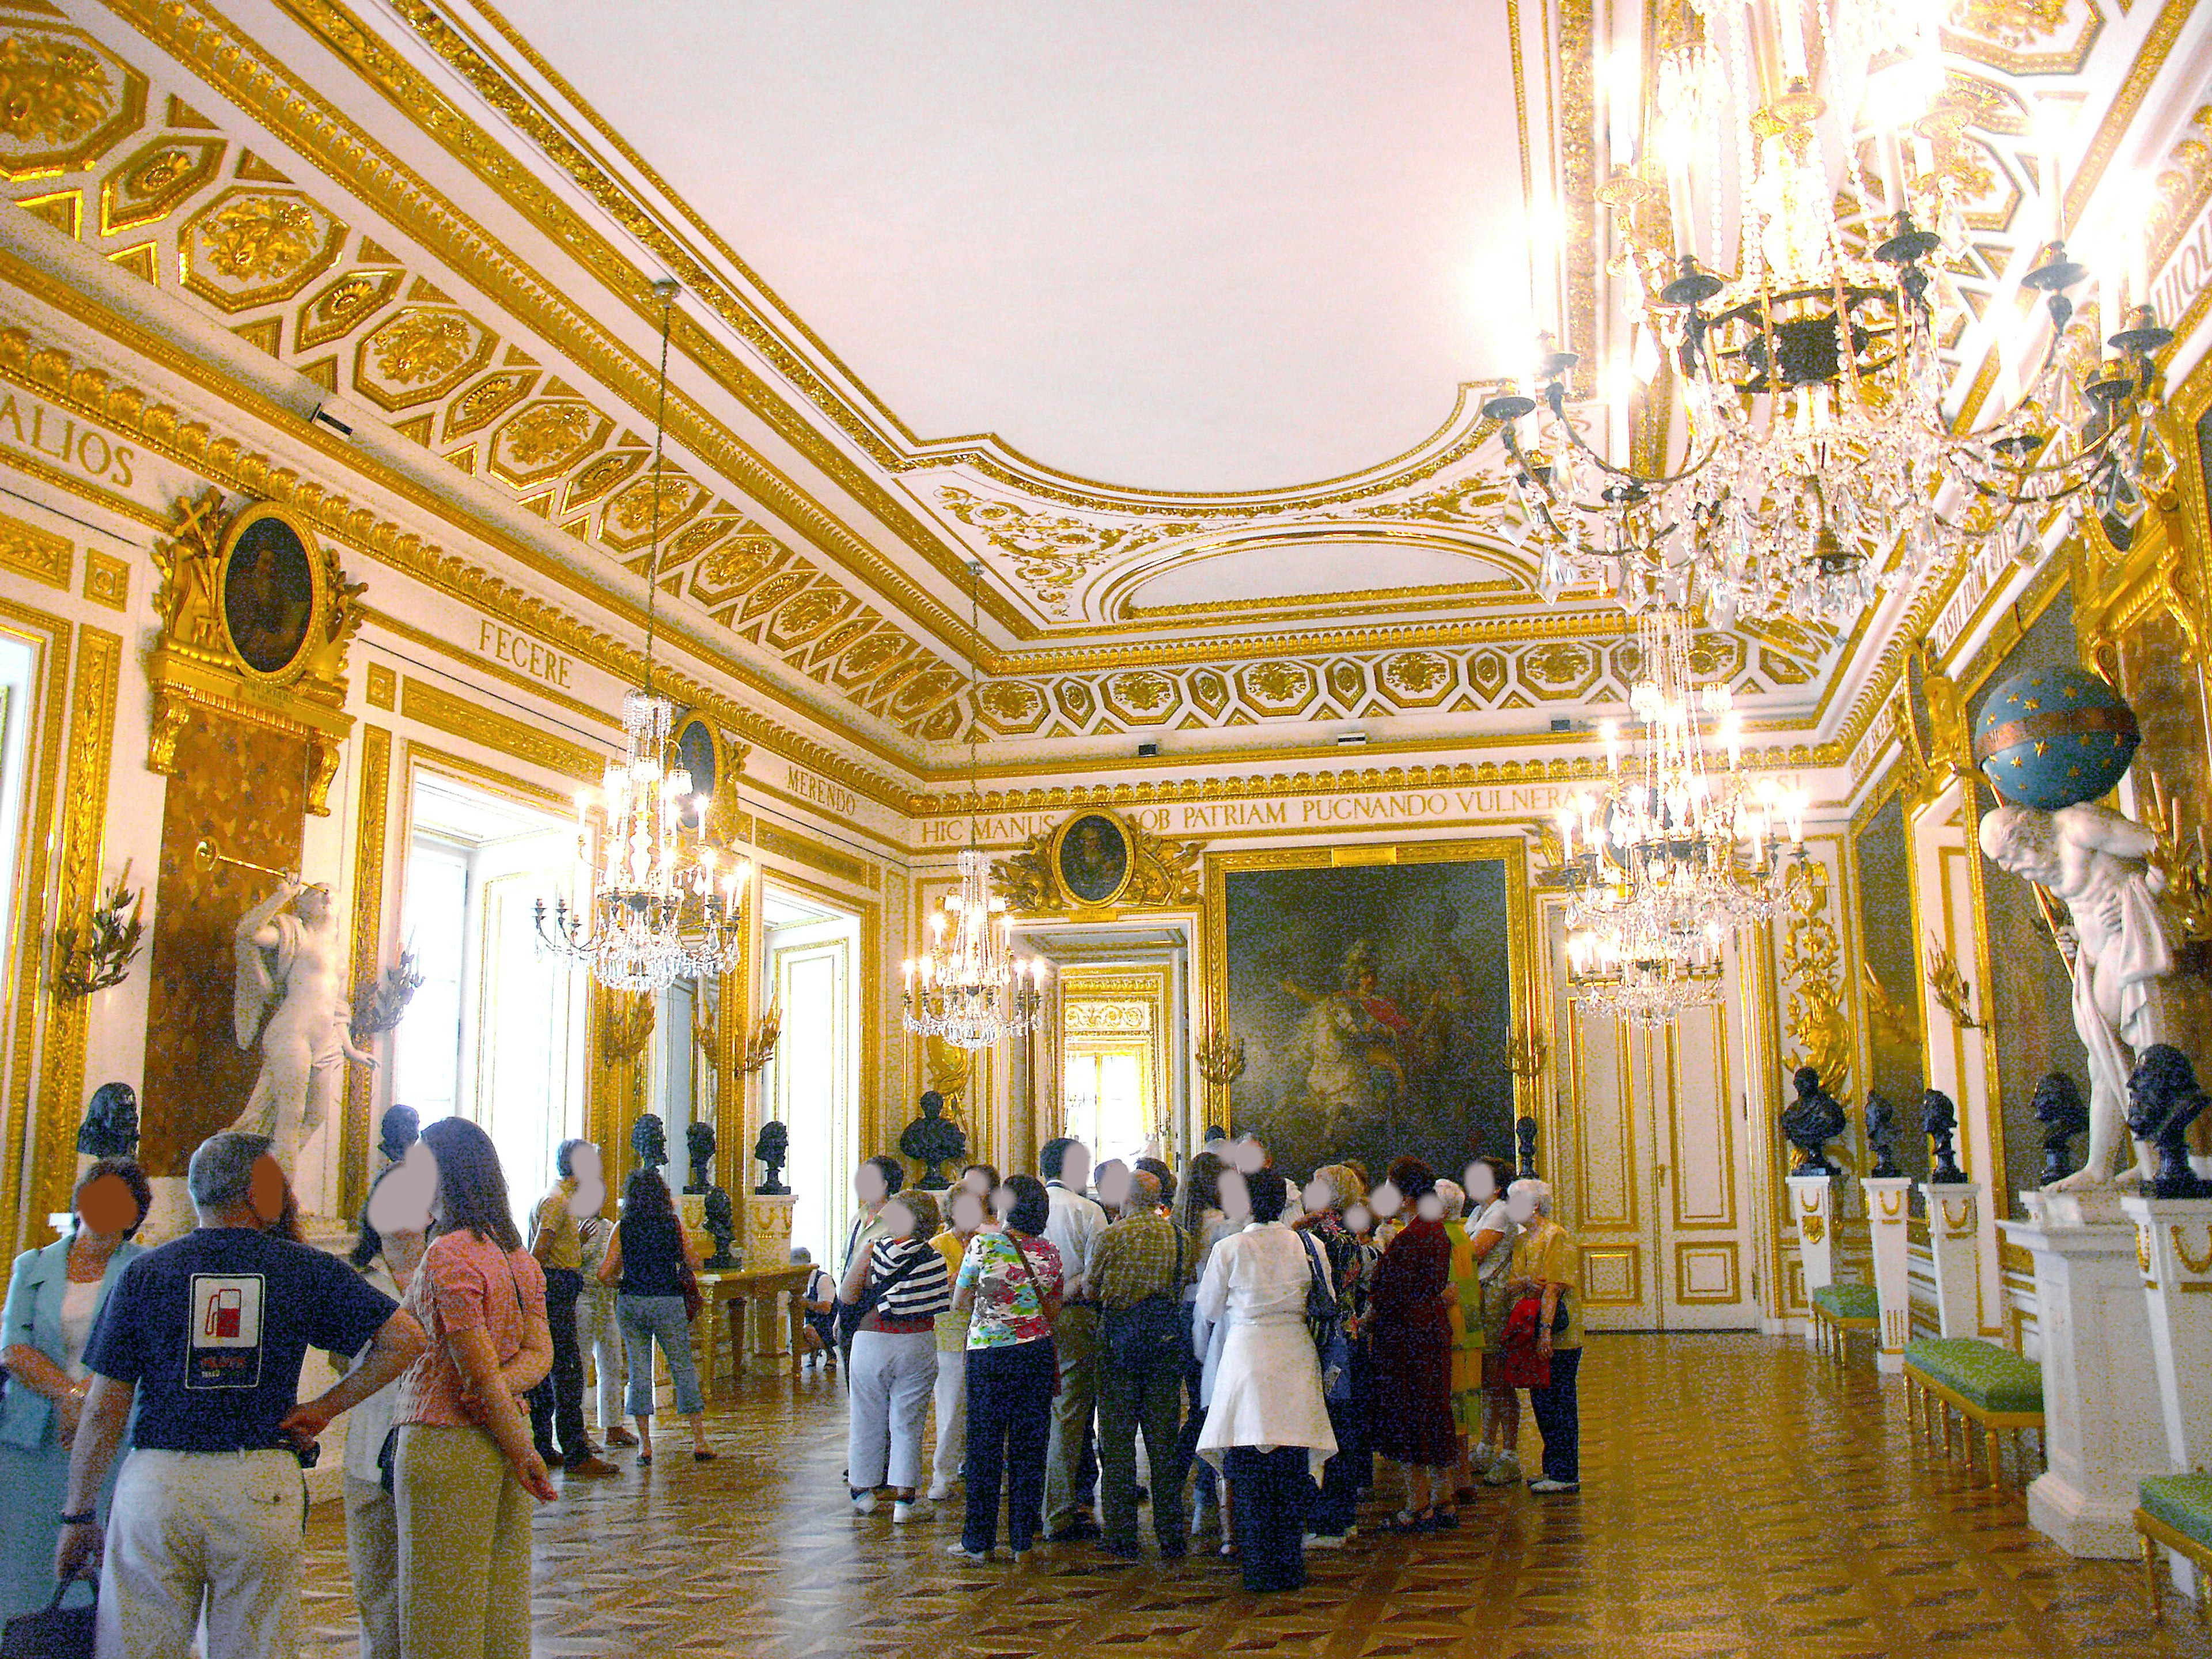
(1527, 1055)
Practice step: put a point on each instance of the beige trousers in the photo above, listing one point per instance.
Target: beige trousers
(464, 1547)
(372, 1554)
(188, 1528)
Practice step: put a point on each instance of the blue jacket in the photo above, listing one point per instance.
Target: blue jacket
(34, 1320)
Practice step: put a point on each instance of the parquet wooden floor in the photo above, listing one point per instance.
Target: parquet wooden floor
(1738, 1498)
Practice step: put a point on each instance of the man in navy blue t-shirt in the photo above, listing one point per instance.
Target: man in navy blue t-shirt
(206, 1335)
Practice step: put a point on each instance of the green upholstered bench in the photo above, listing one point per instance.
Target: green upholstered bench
(2177, 1512)
(1985, 1384)
(1839, 1309)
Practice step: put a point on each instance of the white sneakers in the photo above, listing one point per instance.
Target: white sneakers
(962, 1553)
(864, 1503)
(1503, 1472)
(1548, 1484)
(913, 1509)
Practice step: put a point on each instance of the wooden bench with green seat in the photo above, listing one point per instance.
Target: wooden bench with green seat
(1986, 1385)
(1837, 1310)
(2176, 1512)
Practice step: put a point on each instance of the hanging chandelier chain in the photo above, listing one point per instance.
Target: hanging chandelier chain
(667, 289)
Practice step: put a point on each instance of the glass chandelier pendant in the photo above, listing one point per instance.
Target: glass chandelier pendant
(1816, 465)
(663, 906)
(1685, 847)
(967, 986)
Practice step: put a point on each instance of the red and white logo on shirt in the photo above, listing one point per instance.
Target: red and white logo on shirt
(225, 1345)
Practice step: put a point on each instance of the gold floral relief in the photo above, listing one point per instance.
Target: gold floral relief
(1277, 687)
(1014, 707)
(422, 347)
(1811, 956)
(151, 182)
(1053, 551)
(630, 516)
(737, 564)
(807, 616)
(1417, 678)
(51, 91)
(694, 539)
(247, 247)
(602, 476)
(1143, 696)
(487, 400)
(2012, 23)
(342, 305)
(1559, 668)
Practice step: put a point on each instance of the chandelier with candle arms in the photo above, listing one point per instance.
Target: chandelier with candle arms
(1817, 465)
(1683, 846)
(967, 986)
(664, 905)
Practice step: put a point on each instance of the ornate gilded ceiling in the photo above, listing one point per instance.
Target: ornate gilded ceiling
(420, 210)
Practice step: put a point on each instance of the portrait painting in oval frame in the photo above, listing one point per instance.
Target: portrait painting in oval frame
(1093, 857)
(275, 590)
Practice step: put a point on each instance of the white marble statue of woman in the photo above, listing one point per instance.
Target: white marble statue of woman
(2121, 948)
(291, 993)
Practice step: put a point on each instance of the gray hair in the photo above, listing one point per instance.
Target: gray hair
(1538, 1190)
(222, 1172)
(1143, 1190)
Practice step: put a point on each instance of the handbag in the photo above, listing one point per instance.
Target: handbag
(875, 1290)
(54, 1632)
(1325, 1321)
(695, 1299)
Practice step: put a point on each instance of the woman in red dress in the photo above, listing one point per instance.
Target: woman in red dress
(1412, 1335)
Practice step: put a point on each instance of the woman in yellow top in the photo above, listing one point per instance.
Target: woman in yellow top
(1547, 1262)
(965, 1218)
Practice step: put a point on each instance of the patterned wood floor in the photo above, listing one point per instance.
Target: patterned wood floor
(1739, 1498)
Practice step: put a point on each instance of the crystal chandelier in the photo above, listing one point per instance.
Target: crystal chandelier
(1680, 850)
(1817, 465)
(967, 986)
(663, 907)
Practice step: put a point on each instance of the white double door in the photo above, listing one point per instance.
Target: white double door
(1659, 1190)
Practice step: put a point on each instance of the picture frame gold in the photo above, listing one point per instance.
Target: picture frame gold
(291, 620)
(1100, 889)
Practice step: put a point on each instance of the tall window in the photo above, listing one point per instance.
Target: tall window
(810, 951)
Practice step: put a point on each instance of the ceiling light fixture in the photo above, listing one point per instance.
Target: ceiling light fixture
(661, 909)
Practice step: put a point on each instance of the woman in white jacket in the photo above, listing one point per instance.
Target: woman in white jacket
(1266, 1423)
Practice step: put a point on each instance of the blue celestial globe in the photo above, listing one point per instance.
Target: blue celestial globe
(2055, 737)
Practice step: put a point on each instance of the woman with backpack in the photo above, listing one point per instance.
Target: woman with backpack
(899, 1286)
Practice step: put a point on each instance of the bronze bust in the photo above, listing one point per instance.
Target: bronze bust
(934, 1140)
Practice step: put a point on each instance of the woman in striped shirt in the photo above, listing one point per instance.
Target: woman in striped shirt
(903, 1284)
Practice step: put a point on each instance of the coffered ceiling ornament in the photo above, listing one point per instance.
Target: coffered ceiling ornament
(1134, 869)
(64, 101)
(1053, 551)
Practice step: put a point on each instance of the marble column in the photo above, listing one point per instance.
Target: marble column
(2102, 1430)
(1888, 1210)
(1812, 1202)
(2173, 1253)
(1954, 1240)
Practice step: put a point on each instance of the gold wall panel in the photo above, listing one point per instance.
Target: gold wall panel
(372, 813)
(1604, 1101)
(49, 637)
(458, 716)
(1613, 1275)
(39, 554)
(1701, 1120)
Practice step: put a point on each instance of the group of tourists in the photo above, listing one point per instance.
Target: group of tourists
(1270, 1345)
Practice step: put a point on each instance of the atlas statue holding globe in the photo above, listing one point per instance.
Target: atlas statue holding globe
(2051, 741)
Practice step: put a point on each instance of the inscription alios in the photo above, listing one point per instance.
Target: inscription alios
(29, 424)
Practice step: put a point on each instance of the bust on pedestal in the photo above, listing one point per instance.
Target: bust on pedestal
(1888, 1211)
(1811, 1122)
(1954, 1233)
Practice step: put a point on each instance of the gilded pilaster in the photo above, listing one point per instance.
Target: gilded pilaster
(372, 815)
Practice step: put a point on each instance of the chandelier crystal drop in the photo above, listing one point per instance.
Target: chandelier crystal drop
(1817, 465)
(967, 986)
(1684, 845)
(664, 905)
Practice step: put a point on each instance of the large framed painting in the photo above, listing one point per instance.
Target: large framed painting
(1376, 1000)
(273, 589)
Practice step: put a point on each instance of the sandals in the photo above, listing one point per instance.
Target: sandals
(645, 1460)
(1408, 1521)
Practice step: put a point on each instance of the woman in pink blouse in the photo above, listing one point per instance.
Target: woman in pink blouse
(465, 1470)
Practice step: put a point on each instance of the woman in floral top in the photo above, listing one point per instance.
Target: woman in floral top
(1010, 1286)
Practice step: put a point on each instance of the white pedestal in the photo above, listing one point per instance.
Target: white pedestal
(1888, 1209)
(767, 1244)
(1812, 1202)
(2102, 1422)
(1954, 1240)
(2173, 1252)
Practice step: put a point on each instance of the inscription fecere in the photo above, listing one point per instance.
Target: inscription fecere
(541, 662)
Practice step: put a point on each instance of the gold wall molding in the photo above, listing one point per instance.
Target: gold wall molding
(372, 815)
(84, 841)
(458, 716)
(1158, 874)
(107, 580)
(39, 554)
(50, 637)
(779, 842)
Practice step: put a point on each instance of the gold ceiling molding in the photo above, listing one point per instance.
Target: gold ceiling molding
(466, 718)
(53, 374)
(2000, 33)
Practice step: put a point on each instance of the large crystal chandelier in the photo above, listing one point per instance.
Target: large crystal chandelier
(1683, 846)
(663, 905)
(967, 986)
(1817, 464)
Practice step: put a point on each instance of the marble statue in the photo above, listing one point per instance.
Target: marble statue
(1939, 1120)
(648, 1141)
(773, 1148)
(1881, 1137)
(400, 1128)
(699, 1151)
(2121, 948)
(2063, 1113)
(111, 1122)
(2164, 1100)
(934, 1141)
(721, 1227)
(291, 995)
(1811, 1122)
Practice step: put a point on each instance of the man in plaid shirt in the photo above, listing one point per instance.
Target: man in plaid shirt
(1137, 1271)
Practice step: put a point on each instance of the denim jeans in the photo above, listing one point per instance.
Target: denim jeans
(1559, 1417)
(1140, 1385)
(557, 1415)
(645, 1319)
(1009, 1427)
(1269, 1493)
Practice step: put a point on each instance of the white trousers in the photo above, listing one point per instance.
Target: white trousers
(221, 1528)
(372, 1554)
(889, 1384)
(951, 1421)
(598, 1338)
